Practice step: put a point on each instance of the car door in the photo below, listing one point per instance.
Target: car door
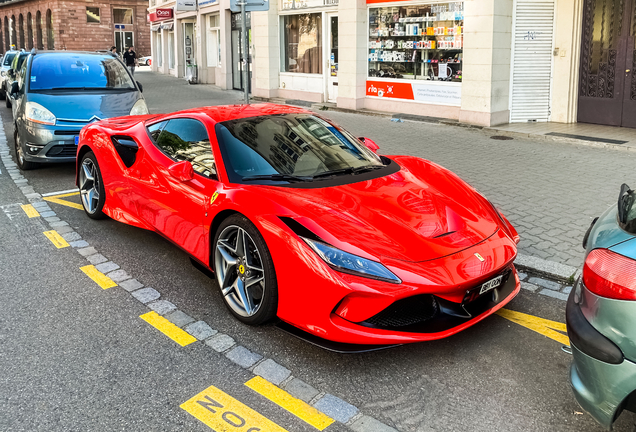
(174, 207)
(20, 74)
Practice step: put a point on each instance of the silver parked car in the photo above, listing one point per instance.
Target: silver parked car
(59, 92)
(7, 59)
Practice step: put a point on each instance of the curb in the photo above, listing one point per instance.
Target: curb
(328, 106)
(550, 269)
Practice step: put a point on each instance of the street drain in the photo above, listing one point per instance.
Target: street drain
(501, 137)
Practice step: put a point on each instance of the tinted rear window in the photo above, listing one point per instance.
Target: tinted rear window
(78, 71)
(8, 58)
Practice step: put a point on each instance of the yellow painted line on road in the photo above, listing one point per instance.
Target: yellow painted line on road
(56, 239)
(56, 199)
(98, 277)
(223, 413)
(30, 211)
(540, 325)
(297, 407)
(181, 337)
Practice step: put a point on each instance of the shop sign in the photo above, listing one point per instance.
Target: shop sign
(306, 4)
(160, 14)
(417, 91)
(207, 2)
(186, 5)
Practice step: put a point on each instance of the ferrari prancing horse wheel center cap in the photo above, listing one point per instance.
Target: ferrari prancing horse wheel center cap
(242, 269)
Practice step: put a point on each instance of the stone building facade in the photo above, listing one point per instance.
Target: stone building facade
(74, 25)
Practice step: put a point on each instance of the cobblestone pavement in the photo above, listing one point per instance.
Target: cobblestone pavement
(549, 190)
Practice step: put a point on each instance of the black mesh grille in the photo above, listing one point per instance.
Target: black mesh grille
(65, 150)
(66, 132)
(406, 312)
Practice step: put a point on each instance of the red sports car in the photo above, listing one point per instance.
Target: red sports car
(300, 220)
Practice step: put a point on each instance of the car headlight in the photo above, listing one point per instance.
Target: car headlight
(38, 114)
(348, 263)
(139, 108)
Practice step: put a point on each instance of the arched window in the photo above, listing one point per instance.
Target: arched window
(50, 43)
(1, 42)
(7, 40)
(38, 30)
(14, 37)
(29, 31)
(21, 31)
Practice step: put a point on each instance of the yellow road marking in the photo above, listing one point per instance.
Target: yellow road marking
(181, 337)
(223, 413)
(540, 325)
(295, 406)
(56, 239)
(56, 199)
(98, 277)
(30, 211)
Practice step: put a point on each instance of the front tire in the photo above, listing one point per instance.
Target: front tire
(91, 187)
(23, 164)
(7, 101)
(245, 271)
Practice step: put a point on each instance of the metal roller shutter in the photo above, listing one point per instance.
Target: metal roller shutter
(533, 29)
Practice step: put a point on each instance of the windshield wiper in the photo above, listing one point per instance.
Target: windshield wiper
(277, 177)
(87, 88)
(349, 170)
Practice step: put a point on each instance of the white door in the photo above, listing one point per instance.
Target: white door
(332, 51)
(531, 78)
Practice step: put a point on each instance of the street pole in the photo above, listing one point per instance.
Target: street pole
(246, 52)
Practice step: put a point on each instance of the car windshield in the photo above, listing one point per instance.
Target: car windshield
(290, 147)
(78, 72)
(8, 58)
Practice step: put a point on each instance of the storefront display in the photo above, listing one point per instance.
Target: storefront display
(422, 42)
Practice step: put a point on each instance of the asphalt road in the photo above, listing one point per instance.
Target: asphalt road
(77, 357)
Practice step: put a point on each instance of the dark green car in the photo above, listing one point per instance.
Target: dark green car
(601, 315)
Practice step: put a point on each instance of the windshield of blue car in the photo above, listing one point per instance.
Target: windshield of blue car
(8, 58)
(78, 72)
(288, 147)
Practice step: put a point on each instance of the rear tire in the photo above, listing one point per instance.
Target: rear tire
(245, 271)
(23, 164)
(91, 187)
(7, 101)
(3, 94)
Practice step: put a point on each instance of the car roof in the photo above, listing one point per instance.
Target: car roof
(223, 113)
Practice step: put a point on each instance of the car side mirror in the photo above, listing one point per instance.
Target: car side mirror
(141, 88)
(15, 88)
(371, 145)
(182, 171)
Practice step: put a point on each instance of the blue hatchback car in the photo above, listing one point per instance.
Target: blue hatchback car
(601, 315)
(58, 93)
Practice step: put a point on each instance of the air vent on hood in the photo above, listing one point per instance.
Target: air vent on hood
(299, 229)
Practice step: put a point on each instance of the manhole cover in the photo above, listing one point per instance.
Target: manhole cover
(501, 137)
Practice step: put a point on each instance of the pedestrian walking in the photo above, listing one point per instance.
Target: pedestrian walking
(130, 58)
(113, 50)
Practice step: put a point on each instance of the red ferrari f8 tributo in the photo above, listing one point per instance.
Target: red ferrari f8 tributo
(300, 220)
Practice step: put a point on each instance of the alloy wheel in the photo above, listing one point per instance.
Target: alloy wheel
(239, 270)
(89, 185)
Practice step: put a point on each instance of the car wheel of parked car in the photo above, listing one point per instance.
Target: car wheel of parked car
(7, 101)
(23, 164)
(91, 187)
(3, 94)
(245, 271)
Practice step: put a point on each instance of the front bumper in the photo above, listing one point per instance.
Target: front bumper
(601, 378)
(49, 143)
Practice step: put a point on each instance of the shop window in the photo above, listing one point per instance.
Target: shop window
(302, 43)
(92, 15)
(123, 16)
(159, 49)
(417, 42)
(214, 42)
(171, 50)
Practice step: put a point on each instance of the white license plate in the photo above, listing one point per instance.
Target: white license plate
(76, 140)
(491, 284)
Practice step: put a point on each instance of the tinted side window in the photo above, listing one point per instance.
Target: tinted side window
(187, 139)
(22, 75)
(155, 130)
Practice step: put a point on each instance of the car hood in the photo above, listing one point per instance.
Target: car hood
(421, 212)
(83, 106)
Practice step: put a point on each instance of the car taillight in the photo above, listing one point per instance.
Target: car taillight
(608, 274)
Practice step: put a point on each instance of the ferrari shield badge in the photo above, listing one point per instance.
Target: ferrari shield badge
(214, 197)
(479, 257)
